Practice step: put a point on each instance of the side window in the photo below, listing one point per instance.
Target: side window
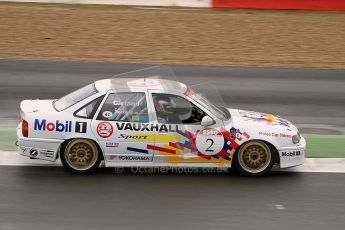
(172, 109)
(89, 110)
(126, 107)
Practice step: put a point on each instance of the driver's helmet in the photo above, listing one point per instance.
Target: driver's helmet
(164, 104)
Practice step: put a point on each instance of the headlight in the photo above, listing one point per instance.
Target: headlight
(296, 138)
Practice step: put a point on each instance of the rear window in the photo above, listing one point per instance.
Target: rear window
(74, 97)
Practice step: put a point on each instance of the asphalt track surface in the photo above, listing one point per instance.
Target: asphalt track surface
(51, 198)
(34, 198)
(312, 98)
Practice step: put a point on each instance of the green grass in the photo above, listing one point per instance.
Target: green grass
(8, 138)
(328, 146)
(332, 146)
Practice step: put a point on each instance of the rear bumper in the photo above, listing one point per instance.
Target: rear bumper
(38, 148)
(292, 156)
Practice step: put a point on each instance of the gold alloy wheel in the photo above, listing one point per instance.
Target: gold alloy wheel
(254, 156)
(81, 154)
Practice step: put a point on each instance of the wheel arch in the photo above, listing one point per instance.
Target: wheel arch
(271, 146)
(65, 142)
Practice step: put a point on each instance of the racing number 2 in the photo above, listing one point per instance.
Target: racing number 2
(212, 142)
(209, 141)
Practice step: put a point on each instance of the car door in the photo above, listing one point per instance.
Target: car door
(180, 137)
(121, 126)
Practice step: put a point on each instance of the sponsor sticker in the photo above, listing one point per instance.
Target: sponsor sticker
(162, 128)
(47, 153)
(133, 136)
(23, 149)
(104, 129)
(235, 133)
(139, 118)
(107, 114)
(272, 134)
(134, 158)
(111, 144)
(135, 118)
(146, 83)
(143, 118)
(284, 135)
(291, 153)
(126, 103)
(56, 126)
(111, 157)
(33, 152)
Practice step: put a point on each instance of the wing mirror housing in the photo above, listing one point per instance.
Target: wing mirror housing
(207, 121)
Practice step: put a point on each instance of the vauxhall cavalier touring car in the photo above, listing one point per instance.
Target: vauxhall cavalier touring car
(150, 121)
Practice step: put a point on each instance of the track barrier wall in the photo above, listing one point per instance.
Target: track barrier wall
(281, 4)
(244, 4)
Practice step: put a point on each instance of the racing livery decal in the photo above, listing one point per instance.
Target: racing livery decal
(208, 145)
(137, 150)
(220, 154)
(268, 119)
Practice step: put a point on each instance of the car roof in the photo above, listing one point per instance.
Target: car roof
(140, 83)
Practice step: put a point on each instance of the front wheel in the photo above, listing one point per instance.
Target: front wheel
(254, 158)
(80, 156)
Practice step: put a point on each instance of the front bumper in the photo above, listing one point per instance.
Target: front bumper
(292, 156)
(38, 148)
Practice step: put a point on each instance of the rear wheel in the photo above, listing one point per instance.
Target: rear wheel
(254, 158)
(80, 156)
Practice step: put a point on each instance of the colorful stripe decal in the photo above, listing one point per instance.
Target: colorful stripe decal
(160, 149)
(137, 150)
(183, 134)
(176, 145)
(246, 135)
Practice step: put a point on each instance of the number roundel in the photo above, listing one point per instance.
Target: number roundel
(209, 141)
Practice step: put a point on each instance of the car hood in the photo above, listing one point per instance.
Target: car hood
(260, 121)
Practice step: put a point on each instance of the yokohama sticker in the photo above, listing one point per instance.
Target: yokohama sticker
(105, 129)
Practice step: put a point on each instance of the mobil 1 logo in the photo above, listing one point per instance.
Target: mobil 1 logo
(80, 127)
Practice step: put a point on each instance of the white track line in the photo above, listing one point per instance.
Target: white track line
(13, 158)
(167, 8)
(149, 8)
(331, 165)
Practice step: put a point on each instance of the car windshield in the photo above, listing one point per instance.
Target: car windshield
(74, 97)
(210, 99)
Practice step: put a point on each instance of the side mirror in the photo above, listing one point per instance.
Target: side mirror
(207, 121)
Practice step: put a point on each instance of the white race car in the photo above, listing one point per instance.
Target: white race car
(148, 121)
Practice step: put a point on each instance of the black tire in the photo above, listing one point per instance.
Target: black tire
(80, 156)
(254, 158)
